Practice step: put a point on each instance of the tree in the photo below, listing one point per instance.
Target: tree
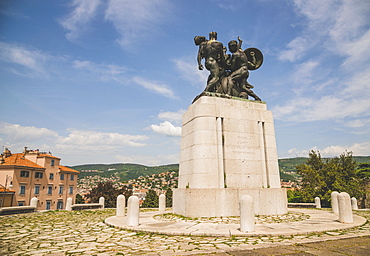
(169, 197)
(363, 173)
(109, 192)
(311, 179)
(294, 196)
(151, 200)
(79, 199)
(320, 178)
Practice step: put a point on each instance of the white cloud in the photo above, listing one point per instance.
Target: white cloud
(40, 63)
(137, 19)
(16, 137)
(358, 149)
(304, 75)
(358, 123)
(83, 12)
(232, 5)
(120, 75)
(32, 60)
(87, 65)
(338, 26)
(352, 100)
(161, 89)
(104, 72)
(357, 51)
(80, 142)
(97, 139)
(324, 108)
(15, 132)
(335, 30)
(166, 128)
(317, 12)
(172, 116)
(189, 71)
(296, 49)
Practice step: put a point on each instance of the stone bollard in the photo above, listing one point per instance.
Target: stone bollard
(34, 202)
(133, 211)
(102, 202)
(354, 203)
(69, 204)
(318, 202)
(334, 202)
(162, 203)
(247, 221)
(345, 209)
(121, 206)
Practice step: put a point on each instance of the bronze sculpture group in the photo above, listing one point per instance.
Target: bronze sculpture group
(228, 72)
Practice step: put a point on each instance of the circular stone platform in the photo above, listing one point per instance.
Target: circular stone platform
(319, 221)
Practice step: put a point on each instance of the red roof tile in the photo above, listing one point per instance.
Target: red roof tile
(19, 160)
(67, 169)
(6, 190)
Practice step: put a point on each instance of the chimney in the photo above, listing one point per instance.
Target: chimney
(7, 153)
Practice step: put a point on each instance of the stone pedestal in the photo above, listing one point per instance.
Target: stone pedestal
(121, 206)
(69, 204)
(334, 202)
(228, 150)
(162, 203)
(247, 220)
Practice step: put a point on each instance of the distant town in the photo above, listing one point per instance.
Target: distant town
(157, 182)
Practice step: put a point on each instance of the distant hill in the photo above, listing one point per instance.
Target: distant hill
(289, 164)
(132, 171)
(124, 171)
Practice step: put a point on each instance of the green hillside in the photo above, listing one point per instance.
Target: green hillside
(124, 171)
(132, 171)
(289, 164)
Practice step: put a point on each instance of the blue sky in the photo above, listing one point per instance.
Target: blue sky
(106, 81)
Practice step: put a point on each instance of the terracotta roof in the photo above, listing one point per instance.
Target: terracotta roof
(6, 190)
(67, 169)
(19, 160)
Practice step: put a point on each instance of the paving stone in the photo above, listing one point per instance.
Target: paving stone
(76, 251)
(78, 233)
(39, 252)
(45, 245)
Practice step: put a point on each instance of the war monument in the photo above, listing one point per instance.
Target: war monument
(228, 146)
(229, 182)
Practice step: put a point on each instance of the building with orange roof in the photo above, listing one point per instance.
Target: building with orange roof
(6, 197)
(36, 174)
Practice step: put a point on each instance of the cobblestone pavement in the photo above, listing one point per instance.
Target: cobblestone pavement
(84, 233)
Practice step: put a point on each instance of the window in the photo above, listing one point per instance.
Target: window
(22, 190)
(25, 174)
(71, 190)
(62, 176)
(51, 176)
(50, 190)
(52, 162)
(60, 205)
(60, 190)
(20, 203)
(72, 177)
(37, 190)
(48, 204)
(39, 175)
